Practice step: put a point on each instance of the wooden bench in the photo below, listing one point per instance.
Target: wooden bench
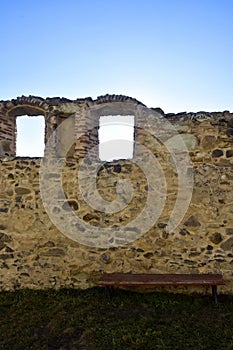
(110, 280)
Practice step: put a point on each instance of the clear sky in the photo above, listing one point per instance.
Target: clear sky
(173, 54)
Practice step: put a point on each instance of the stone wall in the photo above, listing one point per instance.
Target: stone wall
(7, 135)
(34, 253)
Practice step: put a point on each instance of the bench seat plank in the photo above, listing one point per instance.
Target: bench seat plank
(127, 279)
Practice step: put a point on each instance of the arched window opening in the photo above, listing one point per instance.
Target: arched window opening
(30, 133)
(116, 137)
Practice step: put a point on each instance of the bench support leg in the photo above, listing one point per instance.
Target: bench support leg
(214, 293)
(109, 292)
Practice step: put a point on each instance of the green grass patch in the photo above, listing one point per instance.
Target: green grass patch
(77, 319)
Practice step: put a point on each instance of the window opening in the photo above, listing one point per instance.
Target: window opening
(116, 137)
(30, 133)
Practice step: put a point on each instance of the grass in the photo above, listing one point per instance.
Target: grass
(77, 319)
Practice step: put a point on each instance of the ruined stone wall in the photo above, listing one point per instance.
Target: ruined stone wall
(7, 135)
(34, 253)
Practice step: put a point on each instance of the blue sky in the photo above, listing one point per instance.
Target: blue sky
(173, 54)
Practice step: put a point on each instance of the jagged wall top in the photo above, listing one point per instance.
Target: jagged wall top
(35, 105)
(85, 113)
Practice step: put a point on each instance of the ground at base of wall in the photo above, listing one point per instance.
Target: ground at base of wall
(85, 319)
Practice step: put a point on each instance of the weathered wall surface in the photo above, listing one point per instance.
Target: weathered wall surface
(35, 254)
